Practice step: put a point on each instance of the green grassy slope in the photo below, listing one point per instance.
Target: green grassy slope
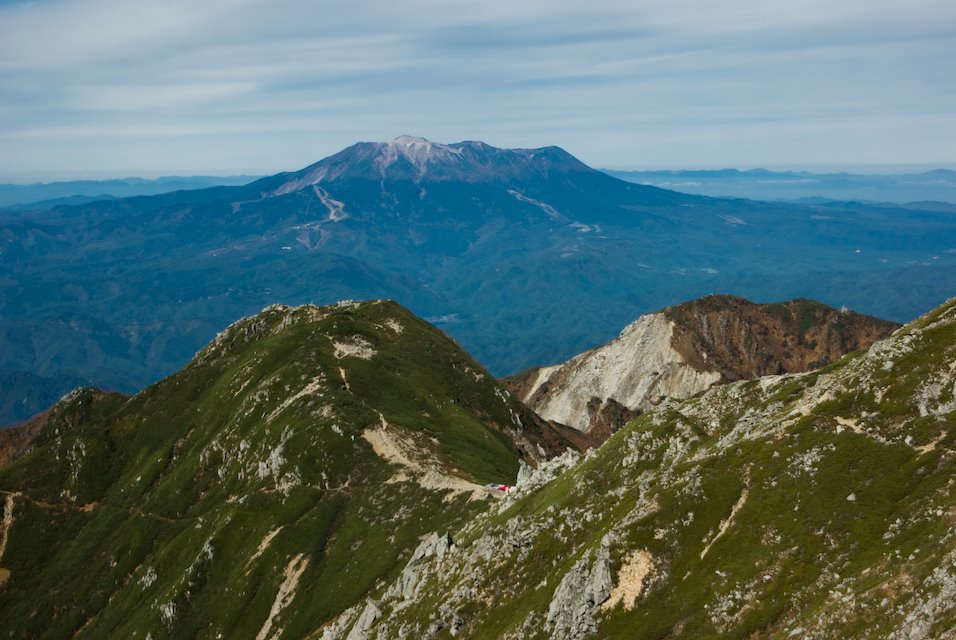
(818, 505)
(241, 497)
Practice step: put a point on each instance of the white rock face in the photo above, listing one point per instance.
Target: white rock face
(635, 369)
(418, 151)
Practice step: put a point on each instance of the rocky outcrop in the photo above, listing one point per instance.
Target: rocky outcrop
(432, 546)
(426, 559)
(70, 410)
(579, 596)
(363, 626)
(635, 370)
(682, 351)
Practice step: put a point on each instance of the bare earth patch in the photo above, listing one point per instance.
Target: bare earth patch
(263, 545)
(634, 576)
(725, 524)
(291, 575)
(389, 445)
(356, 348)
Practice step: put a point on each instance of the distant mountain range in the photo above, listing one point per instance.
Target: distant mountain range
(927, 190)
(761, 184)
(526, 257)
(72, 192)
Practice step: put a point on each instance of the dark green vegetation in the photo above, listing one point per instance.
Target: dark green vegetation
(526, 256)
(817, 505)
(242, 495)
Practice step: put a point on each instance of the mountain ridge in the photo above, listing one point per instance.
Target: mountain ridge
(297, 457)
(322, 467)
(816, 505)
(410, 157)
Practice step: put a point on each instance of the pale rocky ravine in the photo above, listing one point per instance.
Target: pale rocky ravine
(636, 369)
(684, 350)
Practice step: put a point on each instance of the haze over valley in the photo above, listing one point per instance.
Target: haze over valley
(525, 256)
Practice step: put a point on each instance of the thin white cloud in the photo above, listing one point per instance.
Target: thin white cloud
(625, 84)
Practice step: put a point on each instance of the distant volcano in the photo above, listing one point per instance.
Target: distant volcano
(417, 159)
(525, 256)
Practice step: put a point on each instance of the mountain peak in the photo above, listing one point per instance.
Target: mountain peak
(415, 144)
(410, 140)
(419, 160)
(418, 152)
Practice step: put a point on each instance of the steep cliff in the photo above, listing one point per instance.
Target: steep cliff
(684, 350)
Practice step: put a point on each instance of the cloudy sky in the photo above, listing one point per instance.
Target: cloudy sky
(109, 88)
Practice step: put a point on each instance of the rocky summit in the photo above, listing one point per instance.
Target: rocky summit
(683, 350)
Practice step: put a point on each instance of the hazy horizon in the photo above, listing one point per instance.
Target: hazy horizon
(861, 169)
(96, 88)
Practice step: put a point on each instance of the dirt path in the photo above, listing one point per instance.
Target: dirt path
(293, 572)
(725, 524)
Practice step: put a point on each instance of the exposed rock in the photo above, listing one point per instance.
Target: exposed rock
(636, 572)
(356, 347)
(682, 351)
(934, 600)
(607, 415)
(335, 629)
(635, 369)
(432, 546)
(366, 620)
(741, 339)
(579, 597)
(69, 411)
(532, 478)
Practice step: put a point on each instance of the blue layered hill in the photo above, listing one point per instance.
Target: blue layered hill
(930, 188)
(525, 256)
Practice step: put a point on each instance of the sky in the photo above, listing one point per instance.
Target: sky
(108, 88)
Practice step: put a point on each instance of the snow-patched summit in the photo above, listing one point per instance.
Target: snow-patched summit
(421, 160)
(419, 151)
